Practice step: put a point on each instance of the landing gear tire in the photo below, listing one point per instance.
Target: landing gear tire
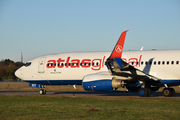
(42, 91)
(149, 92)
(173, 92)
(143, 92)
(168, 92)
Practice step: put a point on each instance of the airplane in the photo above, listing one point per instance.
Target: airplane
(141, 71)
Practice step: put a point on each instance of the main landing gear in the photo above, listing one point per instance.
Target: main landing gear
(168, 92)
(144, 92)
(42, 91)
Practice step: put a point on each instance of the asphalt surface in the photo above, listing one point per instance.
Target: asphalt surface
(118, 94)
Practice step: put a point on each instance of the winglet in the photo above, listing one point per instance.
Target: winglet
(117, 52)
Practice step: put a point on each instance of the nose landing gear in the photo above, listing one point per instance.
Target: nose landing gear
(42, 91)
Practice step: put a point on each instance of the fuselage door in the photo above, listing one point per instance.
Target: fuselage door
(41, 65)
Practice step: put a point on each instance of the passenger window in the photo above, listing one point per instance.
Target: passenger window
(146, 62)
(154, 62)
(167, 62)
(137, 63)
(163, 62)
(177, 62)
(150, 62)
(172, 62)
(48, 64)
(142, 63)
(97, 63)
(159, 62)
(132, 63)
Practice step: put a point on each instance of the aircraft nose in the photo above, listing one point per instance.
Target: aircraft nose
(18, 73)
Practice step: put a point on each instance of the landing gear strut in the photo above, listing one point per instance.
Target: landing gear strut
(42, 91)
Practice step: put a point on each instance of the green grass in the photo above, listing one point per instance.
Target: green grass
(55, 107)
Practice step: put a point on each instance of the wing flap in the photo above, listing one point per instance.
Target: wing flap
(121, 68)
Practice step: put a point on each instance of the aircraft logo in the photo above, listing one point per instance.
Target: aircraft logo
(118, 49)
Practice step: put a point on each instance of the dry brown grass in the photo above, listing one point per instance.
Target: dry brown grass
(25, 87)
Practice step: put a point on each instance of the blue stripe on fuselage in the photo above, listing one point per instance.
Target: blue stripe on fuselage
(56, 82)
(79, 82)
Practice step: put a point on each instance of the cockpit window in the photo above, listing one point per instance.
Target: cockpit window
(27, 64)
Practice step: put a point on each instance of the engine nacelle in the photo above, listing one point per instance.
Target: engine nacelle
(100, 82)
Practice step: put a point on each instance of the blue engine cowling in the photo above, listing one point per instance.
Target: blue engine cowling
(98, 82)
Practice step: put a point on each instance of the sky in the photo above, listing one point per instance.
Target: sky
(41, 27)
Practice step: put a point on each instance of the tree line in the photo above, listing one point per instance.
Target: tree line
(7, 69)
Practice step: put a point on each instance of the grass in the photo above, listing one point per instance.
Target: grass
(53, 107)
(75, 108)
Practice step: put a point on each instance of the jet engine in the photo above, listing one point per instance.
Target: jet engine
(101, 82)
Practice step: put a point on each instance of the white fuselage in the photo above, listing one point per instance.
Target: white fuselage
(163, 64)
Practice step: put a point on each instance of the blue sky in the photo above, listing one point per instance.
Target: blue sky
(40, 27)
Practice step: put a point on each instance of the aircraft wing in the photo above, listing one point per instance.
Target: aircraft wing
(122, 69)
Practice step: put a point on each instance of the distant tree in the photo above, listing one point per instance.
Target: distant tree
(8, 67)
(3, 73)
(8, 61)
(19, 64)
